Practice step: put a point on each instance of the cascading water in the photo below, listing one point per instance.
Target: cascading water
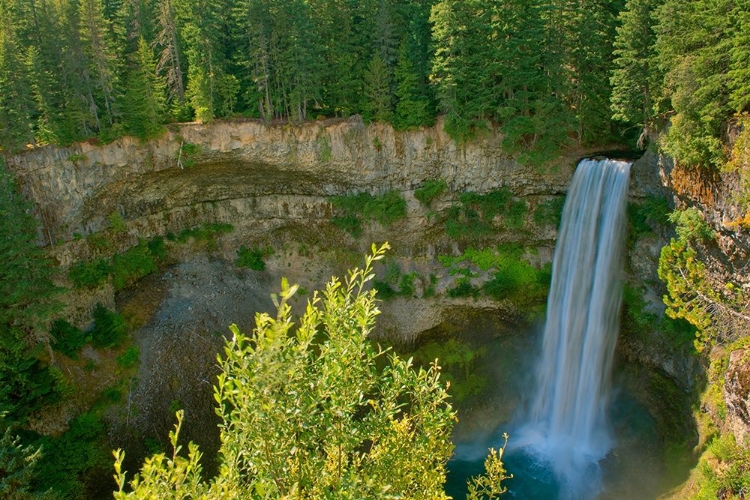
(567, 425)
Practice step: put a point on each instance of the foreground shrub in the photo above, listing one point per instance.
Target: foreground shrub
(314, 410)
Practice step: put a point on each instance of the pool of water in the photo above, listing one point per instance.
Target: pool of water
(634, 468)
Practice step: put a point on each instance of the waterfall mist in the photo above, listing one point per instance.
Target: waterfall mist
(566, 426)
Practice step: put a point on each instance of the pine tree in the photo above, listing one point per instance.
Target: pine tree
(412, 108)
(16, 101)
(16, 465)
(98, 47)
(378, 103)
(635, 79)
(463, 37)
(211, 89)
(144, 96)
(693, 51)
(170, 59)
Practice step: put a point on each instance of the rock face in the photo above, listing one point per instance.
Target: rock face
(737, 394)
(76, 188)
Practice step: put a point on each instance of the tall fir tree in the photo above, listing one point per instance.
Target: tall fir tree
(693, 45)
(145, 106)
(211, 89)
(413, 106)
(378, 103)
(16, 100)
(98, 46)
(170, 63)
(635, 78)
(739, 69)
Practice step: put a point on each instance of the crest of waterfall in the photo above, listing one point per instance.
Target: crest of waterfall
(567, 424)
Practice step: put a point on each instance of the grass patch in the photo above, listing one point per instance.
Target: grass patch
(252, 258)
(475, 216)
(89, 274)
(109, 328)
(513, 278)
(549, 212)
(129, 358)
(429, 191)
(384, 209)
(68, 338)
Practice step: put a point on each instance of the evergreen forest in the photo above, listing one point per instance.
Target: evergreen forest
(550, 73)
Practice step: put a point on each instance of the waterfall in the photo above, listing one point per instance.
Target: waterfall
(567, 424)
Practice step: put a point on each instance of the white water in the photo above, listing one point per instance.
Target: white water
(567, 425)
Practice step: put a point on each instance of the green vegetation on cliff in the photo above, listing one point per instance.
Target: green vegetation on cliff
(27, 303)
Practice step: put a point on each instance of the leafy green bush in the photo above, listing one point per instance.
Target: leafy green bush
(109, 328)
(98, 242)
(349, 223)
(129, 358)
(690, 225)
(385, 209)
(489, 204)
(158, 249)
(429, 191)
(474, 217)
(406, 285)
(117, 223)
(251, 258)
(204, 232)
(549, 212)
(125, 268)
(516, 214)
(69, 459)
(89, 274)
(68, 338)
(463, 288)
(132, 265)
(394, 441)
(385, 290)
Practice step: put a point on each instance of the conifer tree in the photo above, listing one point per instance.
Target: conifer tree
(98, 46)
(635, 79)
(170, 59)
(693, 47)
(211, 89)
(378, 103)
(412, 108)
(16, 101)
(145, 107)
